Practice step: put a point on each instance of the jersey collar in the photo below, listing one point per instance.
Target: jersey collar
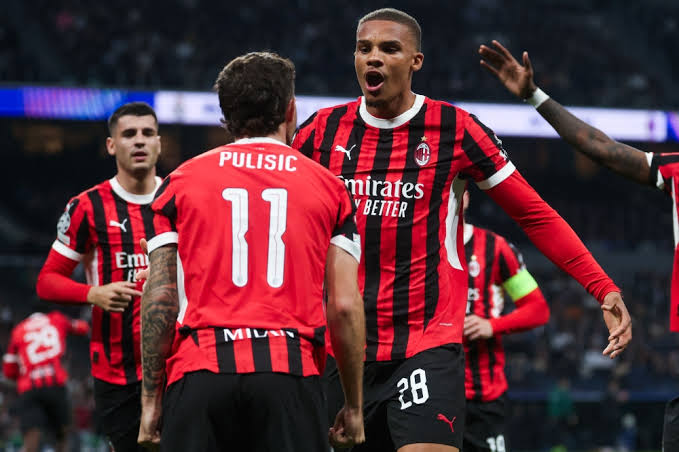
(131, 197)
(259, 140)
(392, 123)
(468, 232)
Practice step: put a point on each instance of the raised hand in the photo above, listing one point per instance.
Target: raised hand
(517, 78)
(618, 322)
(113, 297)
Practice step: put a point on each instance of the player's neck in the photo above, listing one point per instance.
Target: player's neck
(393, 107)
(142, 185)
(279, 135)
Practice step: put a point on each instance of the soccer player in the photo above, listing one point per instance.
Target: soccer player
(496, 268)
(658, 170)
(101, 227)
(37, 345)
(234, 300)
(406, 159)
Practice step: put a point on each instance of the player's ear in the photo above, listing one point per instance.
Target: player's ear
(291, 111)
(418, 58)
(110, 148)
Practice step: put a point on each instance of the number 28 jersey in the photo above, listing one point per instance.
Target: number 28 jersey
(252, 221)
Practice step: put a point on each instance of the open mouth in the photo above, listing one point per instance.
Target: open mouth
(374, 80)
(139, 155)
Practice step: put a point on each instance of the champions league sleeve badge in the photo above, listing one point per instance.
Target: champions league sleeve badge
(62, 226)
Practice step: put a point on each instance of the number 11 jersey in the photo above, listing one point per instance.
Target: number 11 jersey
(252, 221)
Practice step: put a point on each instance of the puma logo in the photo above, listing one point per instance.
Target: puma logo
(118, 225)
(346, 151)
(441, 417)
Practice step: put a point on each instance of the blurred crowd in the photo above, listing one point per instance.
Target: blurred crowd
(585, 53)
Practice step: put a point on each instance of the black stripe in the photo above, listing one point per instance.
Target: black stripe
(371, 244)
(226, 359)
(319, 336)
(355, 138)
(443, 165)
(505, 273)
(162, 187)
(490, 258)
(170, 211)
(82, 236)
(261, 351)
(404, 240)
(100, 225)
(127, 332)
(475, 154)
(329, 135)
(475, 368)
(294, 352)
(147, 218)
(490, 346)
(308, 121)
(471, 281)
(307, 148)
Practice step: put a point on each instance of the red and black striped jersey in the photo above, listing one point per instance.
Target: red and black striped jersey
(665, 175)
(253, 221)
(102, 227)
(495, 268)
(37, 345)
(407, 176)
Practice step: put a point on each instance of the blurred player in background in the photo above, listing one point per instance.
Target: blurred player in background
(234, 300)
(406, 159)
(36, 348)
(658, 170)
(102, 227)
(496, 269)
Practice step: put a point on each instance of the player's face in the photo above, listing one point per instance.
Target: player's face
(135, 144)
(385, 59)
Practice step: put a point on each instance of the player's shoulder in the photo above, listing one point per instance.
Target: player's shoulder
(84, 195)
(325, 112)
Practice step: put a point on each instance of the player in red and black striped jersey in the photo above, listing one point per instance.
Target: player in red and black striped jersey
(33, 358)
(406, 159)
(660, 170)
(101, 228)
(495, 269)
(234, 300)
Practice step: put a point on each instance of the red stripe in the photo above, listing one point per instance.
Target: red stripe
(279, 354)
(243, 351)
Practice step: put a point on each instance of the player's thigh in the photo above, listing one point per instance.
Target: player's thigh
(670, 437)
(428, 400)
(485, 426)
(118, 409)
(32, 414)
(58, 409)
(284, 413)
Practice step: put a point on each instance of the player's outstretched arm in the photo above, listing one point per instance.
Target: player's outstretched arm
(518, 79)
(159, 308)
(346, 323)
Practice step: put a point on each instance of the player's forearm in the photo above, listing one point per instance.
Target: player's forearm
(55, 283)
(347, 335)
(159, 308)
(620, 158)
(531, 311)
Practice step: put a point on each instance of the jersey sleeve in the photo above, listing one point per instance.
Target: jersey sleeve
(663, 168)
(486, 161)
(73, 231)
(164, 210)
(345, 233)
(511, 271)
(305, 136)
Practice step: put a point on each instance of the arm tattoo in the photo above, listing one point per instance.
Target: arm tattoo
(620, 158)
(159, 307)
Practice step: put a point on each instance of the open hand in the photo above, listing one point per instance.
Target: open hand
(618, 322)
(517, 78)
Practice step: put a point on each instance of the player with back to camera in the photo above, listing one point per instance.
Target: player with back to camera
(406, 159)
(660, 170)
(232, 314)
(101, 228)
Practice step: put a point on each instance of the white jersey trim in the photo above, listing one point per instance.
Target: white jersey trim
(10, 358)
(468, 232)
(675, 220)
(181, 291)
(352, 247)
(452, 221)
(267, 140)
(66, 251)
(131, 197)
(659, 181)
(497, 178)
(162, 239)
(401, 119)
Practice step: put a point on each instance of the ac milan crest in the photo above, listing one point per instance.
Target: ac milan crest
(474, 267)
(422, 153)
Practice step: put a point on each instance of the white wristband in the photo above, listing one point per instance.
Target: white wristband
(537, 98)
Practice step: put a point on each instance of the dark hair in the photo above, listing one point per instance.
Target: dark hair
(395, 15)
(254, 91)
(131, 108)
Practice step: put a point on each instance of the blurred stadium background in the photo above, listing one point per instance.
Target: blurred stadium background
(65, 65)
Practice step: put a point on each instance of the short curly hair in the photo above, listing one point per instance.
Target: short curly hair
(254, 91)
(398, 16)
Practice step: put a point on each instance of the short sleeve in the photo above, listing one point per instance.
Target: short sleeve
(345, 233)
(487, 162)
(73, 231)
(664, 167)
(164, 212)
(305, 135)
(512, 273)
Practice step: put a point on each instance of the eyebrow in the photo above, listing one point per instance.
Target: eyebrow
(368, 41)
